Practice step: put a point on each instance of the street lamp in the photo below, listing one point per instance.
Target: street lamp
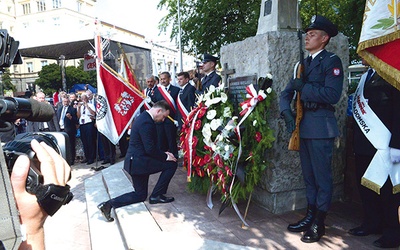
(63, 80)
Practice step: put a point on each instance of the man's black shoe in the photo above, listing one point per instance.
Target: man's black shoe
(98, 168)
(105, 210)
(112, 162)
(384, 242)
(160, 199)
(105, 162)
(362, 231)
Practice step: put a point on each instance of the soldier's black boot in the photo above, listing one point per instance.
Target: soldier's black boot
(305, 223)
(317, 229)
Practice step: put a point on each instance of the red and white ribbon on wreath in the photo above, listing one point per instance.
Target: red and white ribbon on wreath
(190, 139)
(248, 107)
(253, 98)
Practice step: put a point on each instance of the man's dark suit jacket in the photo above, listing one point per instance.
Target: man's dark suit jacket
(188, 99)
(212, 79)
(69, 124)
(35, 126)
(173, 91)
(70, 129)
(143, 151)
(167, 131)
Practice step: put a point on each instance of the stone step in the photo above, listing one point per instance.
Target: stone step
(103, 235)
(134, 226)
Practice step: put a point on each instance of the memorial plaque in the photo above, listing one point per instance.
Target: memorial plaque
(267, 7)
(237, 89)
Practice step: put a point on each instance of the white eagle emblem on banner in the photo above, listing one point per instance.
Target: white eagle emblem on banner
(124, 103)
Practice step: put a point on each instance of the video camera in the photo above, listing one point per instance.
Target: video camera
(50, 197)
(9, 53)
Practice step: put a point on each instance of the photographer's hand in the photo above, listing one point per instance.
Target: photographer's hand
(54, 170)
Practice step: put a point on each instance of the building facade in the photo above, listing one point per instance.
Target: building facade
(43, 26)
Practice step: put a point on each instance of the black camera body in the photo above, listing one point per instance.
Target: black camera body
(59, 141)
(9, 53)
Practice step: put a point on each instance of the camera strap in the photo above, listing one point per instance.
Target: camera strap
(51, 197)
(10, 229)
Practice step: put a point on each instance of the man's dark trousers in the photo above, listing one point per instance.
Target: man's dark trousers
(141, 180)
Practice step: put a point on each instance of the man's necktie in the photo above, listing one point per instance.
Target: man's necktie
(309, 59)
(369, 74)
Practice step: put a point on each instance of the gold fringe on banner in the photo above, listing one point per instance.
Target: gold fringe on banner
(378, 41)
(387, 72)
(371, 185)
(396, 189)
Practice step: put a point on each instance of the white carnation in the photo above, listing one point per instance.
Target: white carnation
(211, 114)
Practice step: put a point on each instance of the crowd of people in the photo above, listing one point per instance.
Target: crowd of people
(75, 115)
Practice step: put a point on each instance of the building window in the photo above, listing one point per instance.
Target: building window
(29, 65)
(44, 63)
(56, 21)
(79, 6)
(26, 7)
(41, 5)
(56, 4)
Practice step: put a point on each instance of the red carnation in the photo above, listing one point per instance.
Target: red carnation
(202, 112)
(197, 125)
(258, 136)
(207, 158)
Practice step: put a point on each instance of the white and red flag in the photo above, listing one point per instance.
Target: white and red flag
(379, 41)
(116, 100)
(116, 104)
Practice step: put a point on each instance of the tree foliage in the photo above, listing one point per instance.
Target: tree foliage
(208, 25)
(6, 81)
(50, 77)
(346, 14)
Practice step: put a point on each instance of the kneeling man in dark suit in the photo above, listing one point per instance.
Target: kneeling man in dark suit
(143, 159)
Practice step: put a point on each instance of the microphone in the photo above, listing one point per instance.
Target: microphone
(13, 108)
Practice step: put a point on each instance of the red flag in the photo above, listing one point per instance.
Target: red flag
(128, 74)
(116, 104)
(55, 98)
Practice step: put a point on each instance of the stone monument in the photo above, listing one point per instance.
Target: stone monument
(275, 50)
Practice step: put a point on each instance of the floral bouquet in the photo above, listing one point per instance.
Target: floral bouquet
(219, 148)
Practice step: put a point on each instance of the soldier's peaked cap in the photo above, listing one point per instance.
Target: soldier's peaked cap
(322, 23)
(209, 58)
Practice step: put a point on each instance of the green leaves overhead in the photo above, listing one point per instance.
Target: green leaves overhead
(208, 25)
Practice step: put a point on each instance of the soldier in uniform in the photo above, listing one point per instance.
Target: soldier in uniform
(320, 88)
(210, 76)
